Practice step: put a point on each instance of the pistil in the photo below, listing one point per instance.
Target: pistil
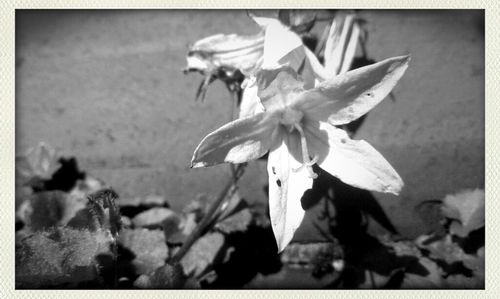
(306, 160)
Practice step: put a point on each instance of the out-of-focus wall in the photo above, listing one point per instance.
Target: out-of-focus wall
(107, 87)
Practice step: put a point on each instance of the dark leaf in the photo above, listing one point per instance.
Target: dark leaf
(202, 254)
(152, 218)
(50, 208)
(165, 277)
(467, 208)
(236, 222)
(432, 280)
(178, 227)
(234, 216)
(148, 247)
(40, 161)
(59, 256)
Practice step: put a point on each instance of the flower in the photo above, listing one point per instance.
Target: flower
(233, 58)
(297, 128)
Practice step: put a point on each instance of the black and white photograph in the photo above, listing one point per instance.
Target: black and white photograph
(234, 149)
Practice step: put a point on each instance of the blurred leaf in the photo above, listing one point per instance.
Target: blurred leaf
(432, 280)
(234, 215)
(87, 186)
(148, 247)
(236, 222)
(374, 280)
(459, 281)
(152, 218)
(39, 161)
(59, 256)
(300, 21)
(178, 227)
(443, 249)
(202, 254)
(297, 253)
(148, 201)
(476, 264)
(165, 277)
(230, 206)
(466, 207)
(197, 206)
(50, 208)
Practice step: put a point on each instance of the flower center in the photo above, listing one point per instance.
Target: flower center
(306, 161)
(291, 118)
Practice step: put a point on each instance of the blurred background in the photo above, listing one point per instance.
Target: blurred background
(106, 87)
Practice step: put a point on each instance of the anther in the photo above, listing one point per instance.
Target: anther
(306, 160)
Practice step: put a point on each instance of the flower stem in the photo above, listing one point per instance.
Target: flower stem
(207, 220)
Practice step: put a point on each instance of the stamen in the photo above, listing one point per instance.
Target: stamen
(307, 162)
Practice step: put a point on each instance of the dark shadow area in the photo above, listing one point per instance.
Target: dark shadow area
(255, 251)
(63, 179)
(347, 223)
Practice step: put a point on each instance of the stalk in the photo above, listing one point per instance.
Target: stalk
(226, 192)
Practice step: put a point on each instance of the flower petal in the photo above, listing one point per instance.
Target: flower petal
(348, 96)
(342, 42)
(226, 50)
(275, 87)
(319, 72)
(286, 188)
(239, 141)
(355, 162)
(280, 41)
(250, 102)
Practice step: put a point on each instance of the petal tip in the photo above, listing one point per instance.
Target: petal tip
(195, 164)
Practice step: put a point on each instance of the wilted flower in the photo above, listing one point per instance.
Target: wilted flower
(297, 127)
(232, 58)
(230, 52)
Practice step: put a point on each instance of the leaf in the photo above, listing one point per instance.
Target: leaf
(431, 281)
(43, 210)
(148, 247)
(296, 253)
(152, 218)
(147, 201)
(443, 249)
(234, 215)
(59, 256)
(467, 207)
(236, 222)
(39, 161)
(476, 264)
(300, 21)
(202, 254)
(165, 277)
(178, 227)
(459, 281)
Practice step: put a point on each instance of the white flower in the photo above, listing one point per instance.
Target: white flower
(297, 127)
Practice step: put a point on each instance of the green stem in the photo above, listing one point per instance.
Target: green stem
(208, 218)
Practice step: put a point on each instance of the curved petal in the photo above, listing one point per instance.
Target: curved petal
(275, 87)
(317, 69)
(286, 188)
(348, 96)
(239, 141)
(250, 102)
(355, 162)
(341, 44)
(279, 44)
